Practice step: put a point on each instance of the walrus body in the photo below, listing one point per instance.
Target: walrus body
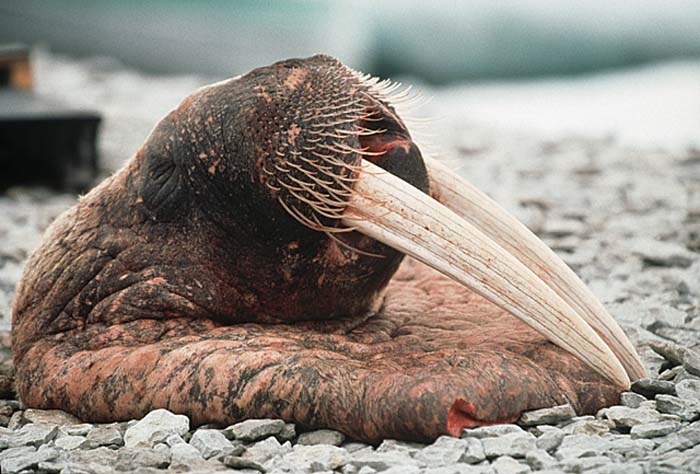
(177, 284)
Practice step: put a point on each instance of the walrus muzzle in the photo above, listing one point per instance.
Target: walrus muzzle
(246, 262)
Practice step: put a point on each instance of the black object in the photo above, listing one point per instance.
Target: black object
(41, 142)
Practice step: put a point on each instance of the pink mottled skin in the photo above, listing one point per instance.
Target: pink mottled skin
(181, 282)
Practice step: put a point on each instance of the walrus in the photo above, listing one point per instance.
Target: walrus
(248, 262)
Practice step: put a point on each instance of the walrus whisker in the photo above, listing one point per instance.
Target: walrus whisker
(246, 262)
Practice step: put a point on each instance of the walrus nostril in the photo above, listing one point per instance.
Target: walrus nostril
(390, 147)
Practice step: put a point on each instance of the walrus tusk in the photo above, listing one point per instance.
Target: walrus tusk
(397, 214)
(480, 210)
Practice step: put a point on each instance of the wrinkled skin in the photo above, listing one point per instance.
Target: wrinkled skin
(179, 283)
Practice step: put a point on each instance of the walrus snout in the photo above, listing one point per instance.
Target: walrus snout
(308, 161)
(239, 266)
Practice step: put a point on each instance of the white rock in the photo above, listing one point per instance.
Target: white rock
(314, 458)
(15, 461)
(515, 445)
(447, 450)
(210, 443)
(264, 450)
(689, 389)
(656, 252)
(550, 439)
(331, 437)
(581, 445)
(548, 416)
(32, 435)
(625, 417)
(185, 455)
(491, 431)
(654, 430)
(155, 427)
(253, 430)
(69, 442)
(389, 445)
(50, 417)
(508, 465)
(540, 459)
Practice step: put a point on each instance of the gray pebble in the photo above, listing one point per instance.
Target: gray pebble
(548, 416)
(685, 410)
(316, 458)
(684, 375)
(680, 440)
(183, 454)
(458, 469)
(353, 446)
(99, 460)
(550, 439)
(253, 430)
(241, 463)
(362, 470)
(77, 430)
(584, 464)
(406, 469)
(540, 459)
(587, 425)
(508, 465)
(288, 433)
(688, 358)
(665, 254)
(130, 459)
(491, 431)
(264, 450)
(625, 417)
(389, 445)
(331, 437)
(580, 445)
(155, 428)
(447, 450)
(15, 460)
(16, 420)
(654, 430)
(50, 417)
(105, 436)
(629, 448)
(631, 399)
(69, 442)
(671, 373)
(689, 390)
(32, 435)
(211, 443)
(516, 445)
(649, 388)
(380, 461)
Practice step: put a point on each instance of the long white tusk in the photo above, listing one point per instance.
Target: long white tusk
(392, 211)
(494, 221)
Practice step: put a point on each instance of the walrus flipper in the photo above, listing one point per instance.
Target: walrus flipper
(416, 370)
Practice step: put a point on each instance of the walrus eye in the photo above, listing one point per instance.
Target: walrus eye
(397, 214)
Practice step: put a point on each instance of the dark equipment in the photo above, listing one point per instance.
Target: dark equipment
(42, 142)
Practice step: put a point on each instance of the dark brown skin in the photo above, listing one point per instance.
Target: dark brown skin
(182, 282)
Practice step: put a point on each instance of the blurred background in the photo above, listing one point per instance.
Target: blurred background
(439, 41)
(580, 117)
(628, 70)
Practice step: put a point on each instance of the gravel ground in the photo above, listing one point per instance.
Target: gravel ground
(625, 217)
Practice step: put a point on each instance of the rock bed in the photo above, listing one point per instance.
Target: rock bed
(655, 429)
(626, 219)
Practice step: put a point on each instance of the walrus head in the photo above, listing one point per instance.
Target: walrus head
(310, 185)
